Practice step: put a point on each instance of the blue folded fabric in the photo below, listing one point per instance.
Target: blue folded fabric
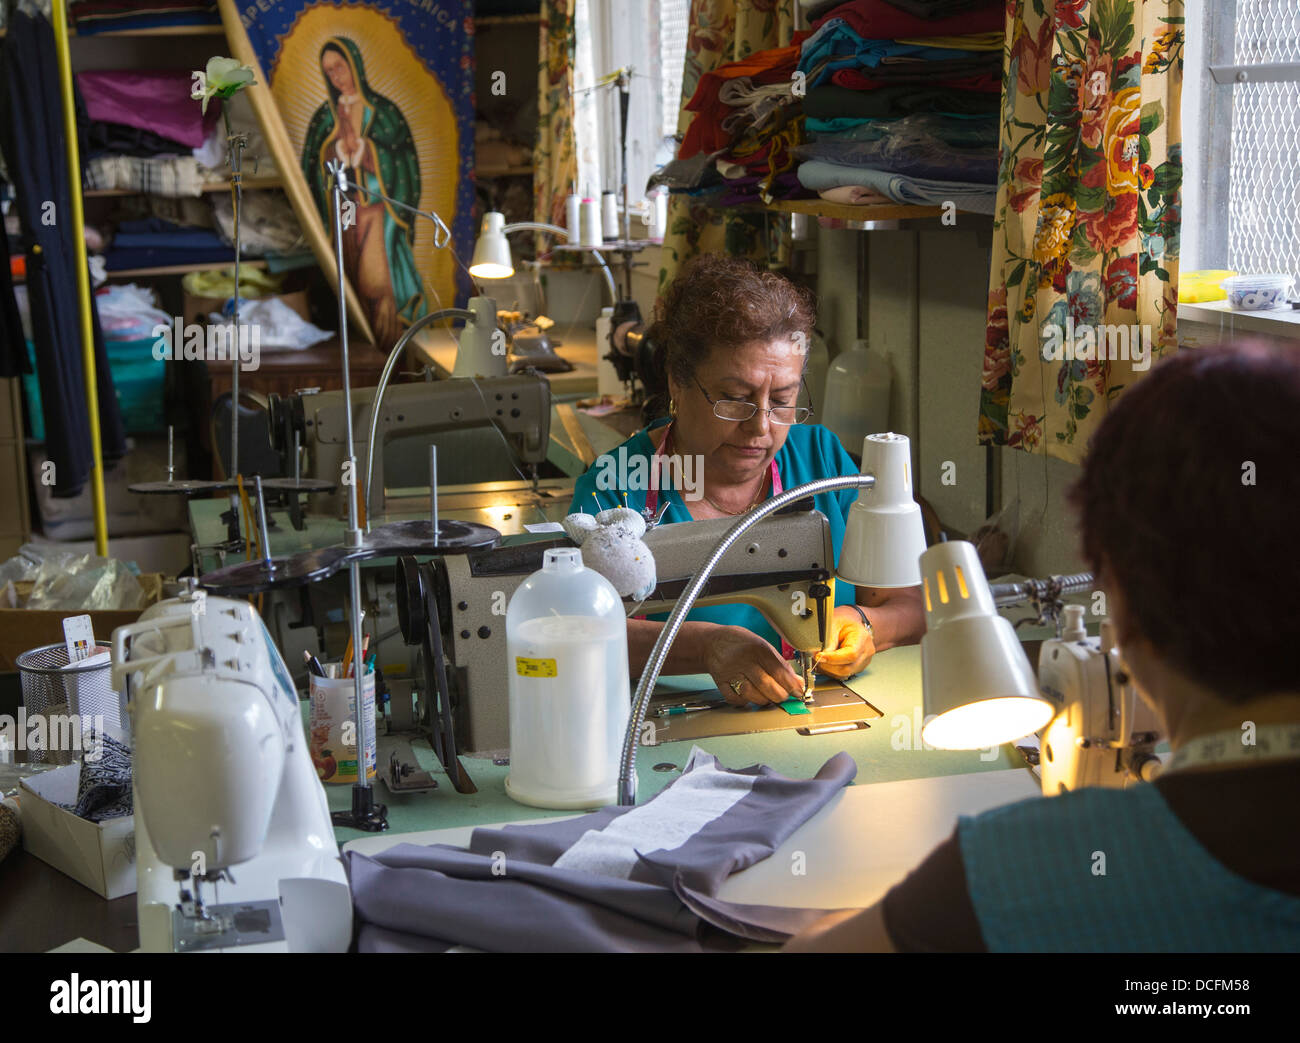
(155, 233)
(156, 257)
(979, 166)
(837, 46)
(818, 175)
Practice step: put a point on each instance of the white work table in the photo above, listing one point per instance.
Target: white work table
(864, 841)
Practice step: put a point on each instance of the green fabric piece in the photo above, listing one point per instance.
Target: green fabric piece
(792, 706)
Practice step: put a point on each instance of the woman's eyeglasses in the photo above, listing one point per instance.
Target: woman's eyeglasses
(739, 410)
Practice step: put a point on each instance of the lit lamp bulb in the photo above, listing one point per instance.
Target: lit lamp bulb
(975, 676)
(492, 258)
(884, 536)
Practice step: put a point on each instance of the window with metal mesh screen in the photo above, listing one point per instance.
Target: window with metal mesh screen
(674, 17)
(1264, 190)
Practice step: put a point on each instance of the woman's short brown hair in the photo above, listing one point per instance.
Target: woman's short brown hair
(720, 302)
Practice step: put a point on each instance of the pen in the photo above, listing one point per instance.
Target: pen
(313, 664)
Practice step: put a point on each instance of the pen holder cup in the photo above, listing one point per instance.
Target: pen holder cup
(332, 727)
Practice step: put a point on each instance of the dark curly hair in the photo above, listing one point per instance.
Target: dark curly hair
(1189, 498)
(720, 303)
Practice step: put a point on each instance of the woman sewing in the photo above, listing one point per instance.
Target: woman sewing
(730, 340)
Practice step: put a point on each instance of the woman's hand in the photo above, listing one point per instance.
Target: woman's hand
(852, 649)
(762, 677)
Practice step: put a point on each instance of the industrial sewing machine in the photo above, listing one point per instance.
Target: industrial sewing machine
(1104, 734)
(1101, 732)
(234, 844)
(784, 568)
(457, 412)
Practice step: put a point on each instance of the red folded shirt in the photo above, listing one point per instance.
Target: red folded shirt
(878, 20)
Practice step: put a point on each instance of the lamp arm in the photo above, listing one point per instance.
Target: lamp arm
(655, 661)
(389, 365)
(539, 226)
(441, 234)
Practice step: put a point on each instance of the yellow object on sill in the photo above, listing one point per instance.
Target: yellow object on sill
(1199, 287)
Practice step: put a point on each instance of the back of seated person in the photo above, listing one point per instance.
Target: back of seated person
(1188, 504)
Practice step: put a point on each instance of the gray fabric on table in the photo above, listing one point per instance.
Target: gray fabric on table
(507, 892)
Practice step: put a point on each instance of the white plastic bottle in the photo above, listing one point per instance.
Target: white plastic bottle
(566, 664)
(857, 395)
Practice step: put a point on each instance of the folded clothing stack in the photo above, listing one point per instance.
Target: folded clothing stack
(144, 112)
(748, 119)
(902, 101)
(155, 243)
(107, 16)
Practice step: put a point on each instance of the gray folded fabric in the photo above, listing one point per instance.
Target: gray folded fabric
(818, 175)
(619, 879)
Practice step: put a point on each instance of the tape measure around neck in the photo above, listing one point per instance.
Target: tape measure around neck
(1271, 742)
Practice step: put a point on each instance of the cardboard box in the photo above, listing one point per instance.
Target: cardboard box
(22, 629)
(100, 855)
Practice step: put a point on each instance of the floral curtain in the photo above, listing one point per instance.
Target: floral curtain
(1085, 240)
(555, 155)
(725, 31)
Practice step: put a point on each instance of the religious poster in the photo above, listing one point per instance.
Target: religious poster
(385, 87)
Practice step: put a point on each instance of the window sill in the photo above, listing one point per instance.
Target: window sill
(1280, 322)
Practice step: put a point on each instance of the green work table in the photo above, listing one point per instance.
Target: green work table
(888, 750)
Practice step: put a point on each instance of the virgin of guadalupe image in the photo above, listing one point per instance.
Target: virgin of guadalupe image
(368, 133)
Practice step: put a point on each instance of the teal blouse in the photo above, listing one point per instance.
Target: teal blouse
(810, 451)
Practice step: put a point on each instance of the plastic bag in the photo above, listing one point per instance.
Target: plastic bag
(64, 580)
(129, 312)
(278, 325)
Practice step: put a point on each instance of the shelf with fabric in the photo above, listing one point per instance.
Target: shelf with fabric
(862, 212)
(159, 30)
(251, 184)
(181, 269)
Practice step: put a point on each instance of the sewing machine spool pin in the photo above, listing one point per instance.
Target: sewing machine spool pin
(433, 489)
(263, 533)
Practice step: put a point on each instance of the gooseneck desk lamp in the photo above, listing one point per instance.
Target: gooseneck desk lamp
(492, 258)
(883, 539)
(979, 690)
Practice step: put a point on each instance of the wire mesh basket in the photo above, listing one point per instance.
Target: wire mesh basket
(58, 691)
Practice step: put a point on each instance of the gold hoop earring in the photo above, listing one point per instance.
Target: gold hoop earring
(672, 407)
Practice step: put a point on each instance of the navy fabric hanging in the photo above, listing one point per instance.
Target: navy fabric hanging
(31, 135)
(13, 352)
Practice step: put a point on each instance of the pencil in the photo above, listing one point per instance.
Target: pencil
(347, 660)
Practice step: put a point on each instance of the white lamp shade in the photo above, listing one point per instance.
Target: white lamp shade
(492, 258)
(482, 351)
(884, 536)
(976, 679)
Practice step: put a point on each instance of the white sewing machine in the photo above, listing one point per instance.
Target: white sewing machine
(234, 845)
(1104, 734)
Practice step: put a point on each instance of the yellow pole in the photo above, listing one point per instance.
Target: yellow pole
(59, 16)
